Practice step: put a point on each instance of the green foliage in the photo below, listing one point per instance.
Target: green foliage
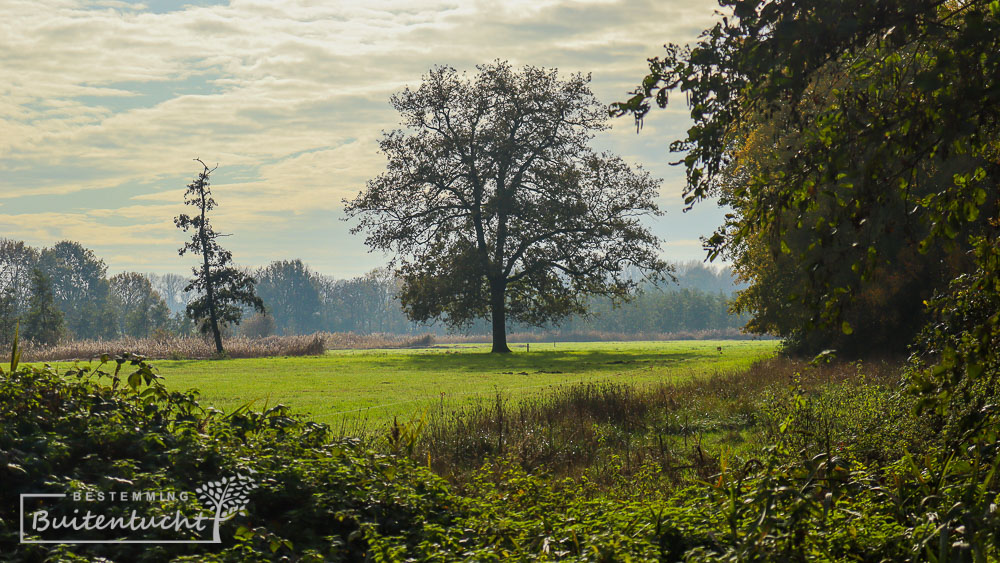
(93, 428)
(956, 367)
(43, 323)
(892, 164)
(322, 498)
(139, 309)
(81, 288)
(92, 306)
(290, 292)
(893, 113)
(17, 261)
(658, 308)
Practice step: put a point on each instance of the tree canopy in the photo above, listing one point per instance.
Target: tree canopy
(43, 322)
(289, 290)
(892, 108)
(495, 205)
(140, 309)
(80, 288)
(877, 133)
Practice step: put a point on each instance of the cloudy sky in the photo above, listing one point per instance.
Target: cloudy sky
(103, 106)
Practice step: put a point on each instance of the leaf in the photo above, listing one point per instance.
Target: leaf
(846, 328)
(135, 380)
(975, 371)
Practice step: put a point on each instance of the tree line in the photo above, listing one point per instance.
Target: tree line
(65, 292)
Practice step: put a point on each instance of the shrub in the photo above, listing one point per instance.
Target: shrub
(95, 429)
(258, 325)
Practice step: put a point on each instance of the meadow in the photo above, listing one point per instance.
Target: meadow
(362, 388)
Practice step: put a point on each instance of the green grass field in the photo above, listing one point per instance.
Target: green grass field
(370, 387)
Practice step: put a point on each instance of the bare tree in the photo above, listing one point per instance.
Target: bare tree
(171, 287)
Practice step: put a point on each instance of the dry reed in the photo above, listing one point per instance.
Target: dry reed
(192, 347)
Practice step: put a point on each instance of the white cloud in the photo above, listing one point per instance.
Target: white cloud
(294, 91)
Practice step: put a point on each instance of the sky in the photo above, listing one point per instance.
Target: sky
(103, 106)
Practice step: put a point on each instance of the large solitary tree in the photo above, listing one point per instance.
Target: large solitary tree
(495, 205)
(221, 287)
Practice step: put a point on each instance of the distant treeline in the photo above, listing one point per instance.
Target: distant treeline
(64, 292)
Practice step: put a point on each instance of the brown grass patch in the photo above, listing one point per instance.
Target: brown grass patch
(182, 348)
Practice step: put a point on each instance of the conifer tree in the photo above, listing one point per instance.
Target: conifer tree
(221, 287)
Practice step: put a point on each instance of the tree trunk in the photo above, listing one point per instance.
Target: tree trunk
(498, 312)
(216, 333)
(213, 317)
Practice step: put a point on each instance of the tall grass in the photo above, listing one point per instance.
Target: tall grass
(194, 347)
(177, 348)
(611, 431)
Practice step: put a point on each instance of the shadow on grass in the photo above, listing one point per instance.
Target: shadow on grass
(548, 361)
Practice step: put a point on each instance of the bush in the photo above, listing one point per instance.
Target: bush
(318, 499)
(258, 325)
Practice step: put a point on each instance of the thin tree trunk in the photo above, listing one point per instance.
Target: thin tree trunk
(498, 312)
(213, 316)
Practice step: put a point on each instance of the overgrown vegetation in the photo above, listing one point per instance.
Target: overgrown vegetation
(857, 144)
(782, 461)
(609, 432)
